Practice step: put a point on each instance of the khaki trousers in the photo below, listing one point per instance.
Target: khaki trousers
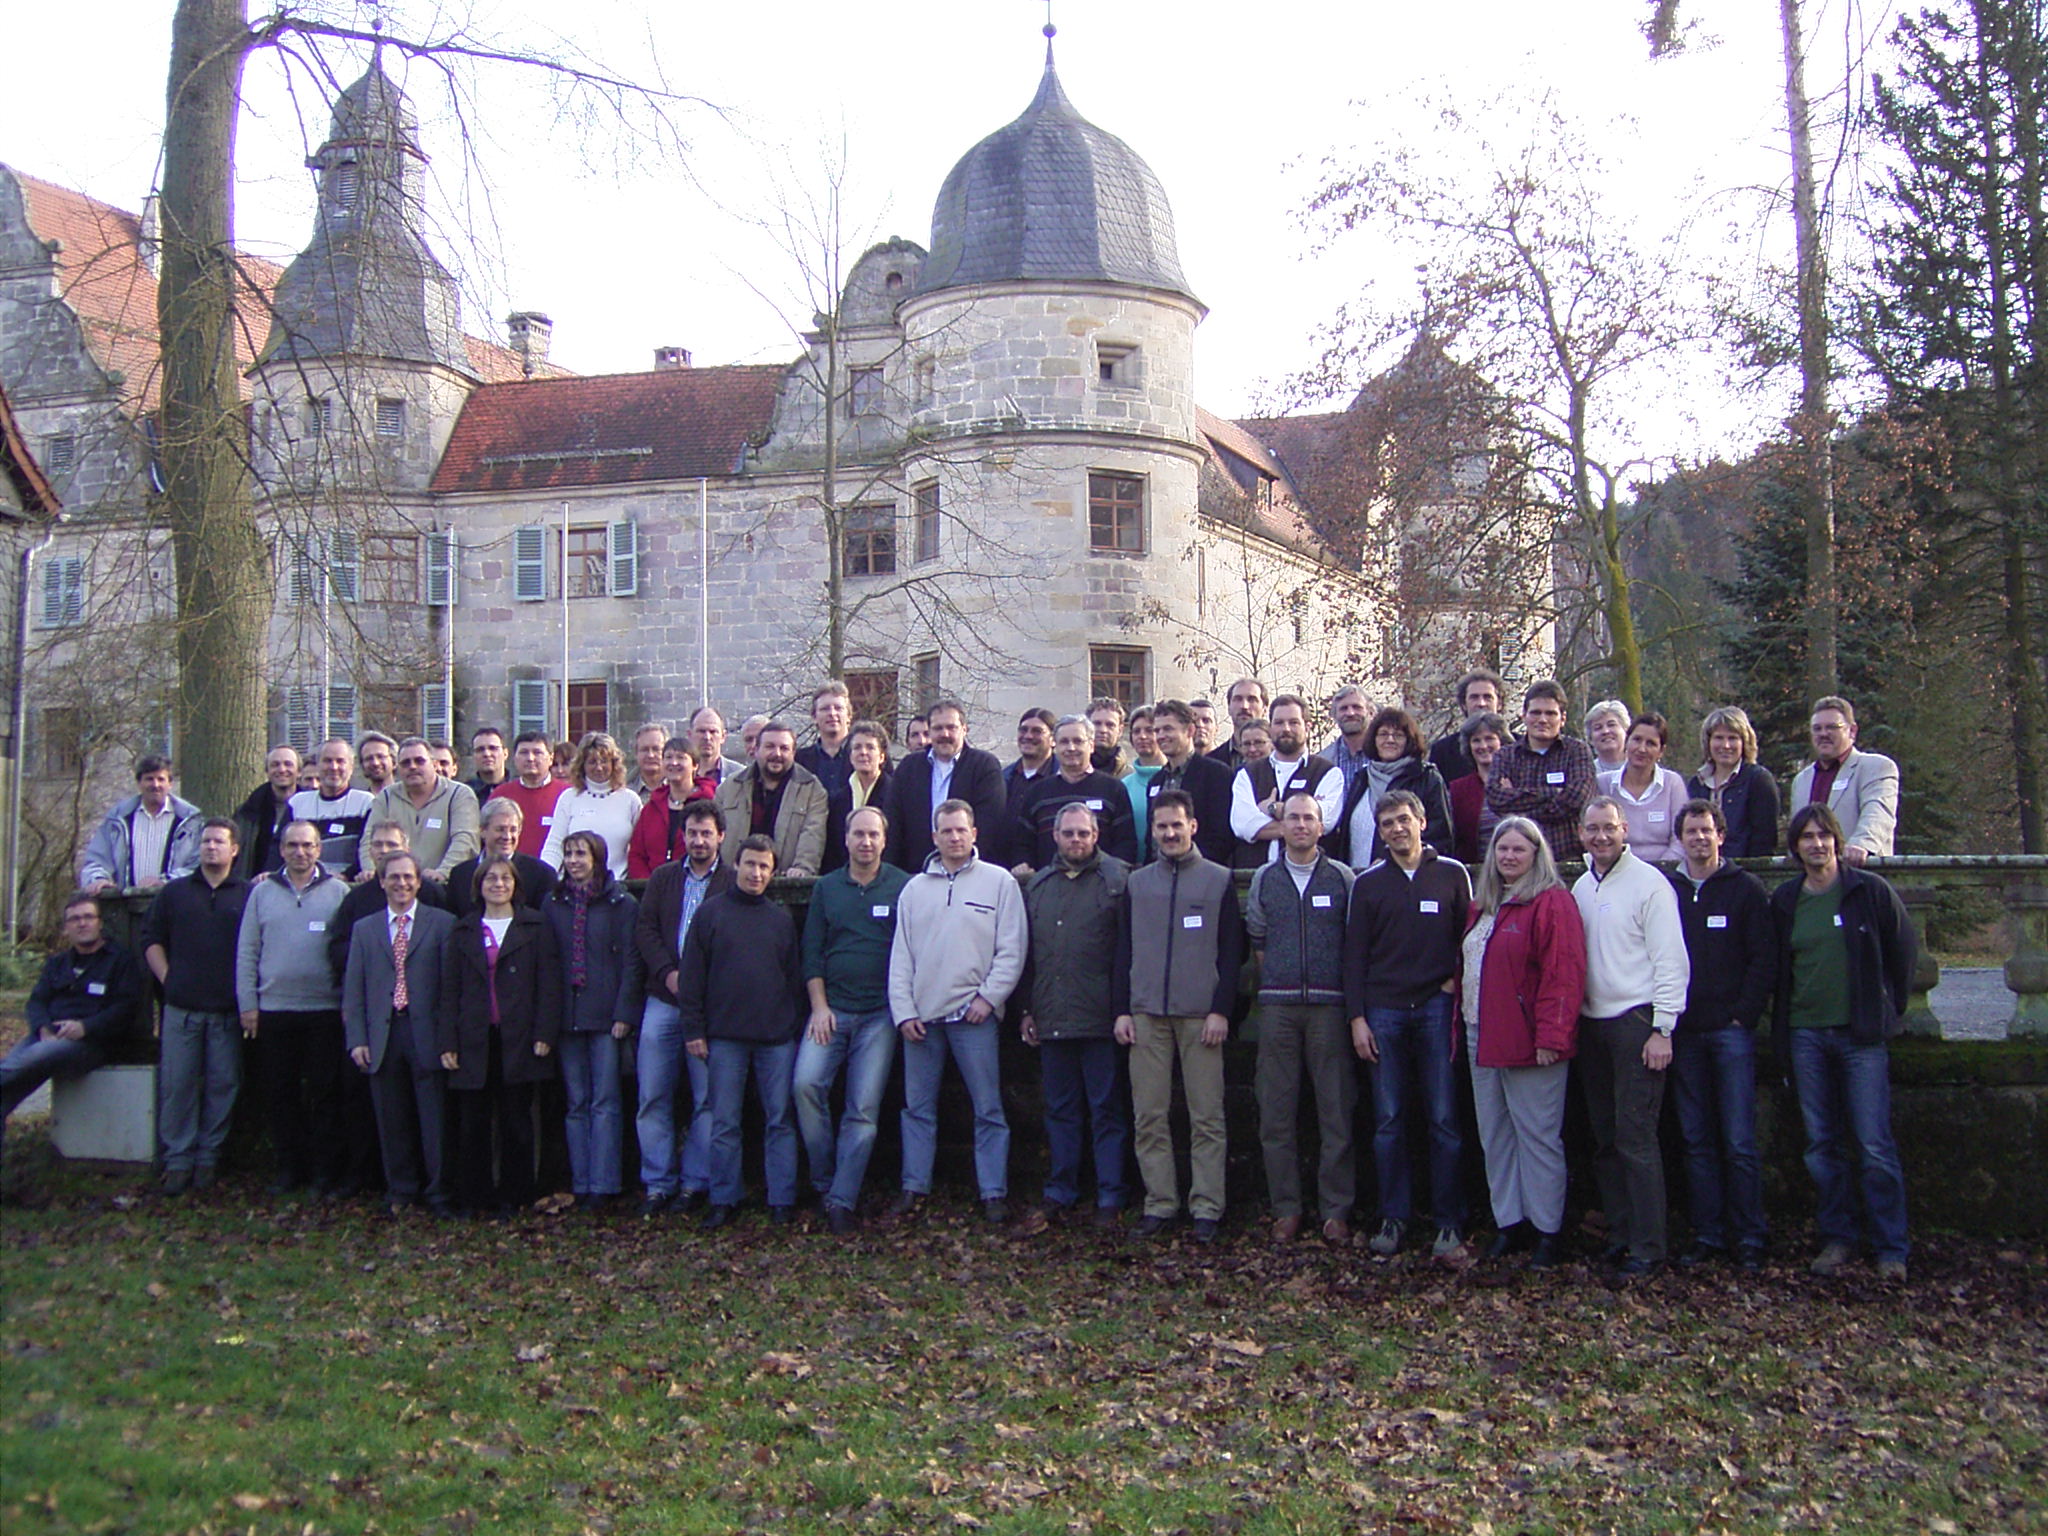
(1156, 1043)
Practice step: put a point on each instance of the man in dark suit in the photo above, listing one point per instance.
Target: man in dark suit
(948, 769)
(387, 1009)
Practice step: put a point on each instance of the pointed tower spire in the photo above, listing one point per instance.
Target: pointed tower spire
(369, 286)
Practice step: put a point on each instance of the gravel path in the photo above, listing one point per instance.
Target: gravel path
(1972, 1003)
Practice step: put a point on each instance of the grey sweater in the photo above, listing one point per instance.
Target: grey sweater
(281, 953)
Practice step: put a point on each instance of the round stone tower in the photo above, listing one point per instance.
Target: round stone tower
(1049, 340)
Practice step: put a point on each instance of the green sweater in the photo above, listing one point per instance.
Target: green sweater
(1820, 961)
(848, 934)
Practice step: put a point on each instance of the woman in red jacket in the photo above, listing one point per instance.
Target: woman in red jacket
(1525, 973)
(658, 834)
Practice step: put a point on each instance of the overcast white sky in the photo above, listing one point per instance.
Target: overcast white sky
(1233, 105)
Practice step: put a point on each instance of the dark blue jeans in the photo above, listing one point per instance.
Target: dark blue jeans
(1076, 1071)
(1416, 1072)
(1713, 1078)
(1845, 1097)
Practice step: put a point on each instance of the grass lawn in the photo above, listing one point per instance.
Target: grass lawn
(229, 1364)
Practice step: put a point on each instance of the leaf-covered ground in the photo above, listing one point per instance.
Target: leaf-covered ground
(227, 1363)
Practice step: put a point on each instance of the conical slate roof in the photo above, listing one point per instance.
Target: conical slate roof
(1052, 197)
(369, 285)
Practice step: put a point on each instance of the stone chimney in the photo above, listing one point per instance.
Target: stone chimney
(671, 359)
(528, 333)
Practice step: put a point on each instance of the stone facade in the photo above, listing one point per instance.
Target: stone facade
(1003, 431)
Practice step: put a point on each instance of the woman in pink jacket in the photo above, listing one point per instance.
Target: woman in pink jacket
(1525, 973)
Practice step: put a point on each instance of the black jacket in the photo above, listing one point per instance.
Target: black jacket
(1398, 953)
(1422, 780)
(1450, 757)
(661, 914)
(977, 779)
(1882, 953)
(1207, 781)
(1749, 804)
(839, 806)
(100, 990)
(611, 992)
(258, 821)
(742, 975)
(1732, 946)
(198, 925)
(536, 880)
(529, 1000)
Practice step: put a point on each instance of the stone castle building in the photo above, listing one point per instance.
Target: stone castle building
(987, 475)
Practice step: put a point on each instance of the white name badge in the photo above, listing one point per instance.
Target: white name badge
(433, 823)
(1604, 906)
(334, 829)
(1297, 782)
(1094, 805)
(1319, 901)
(96, 989)
(547, 821)
(880, 909)
(1838, 919)
(317, 925)
(1194, 920)
(1152, 790)
(1718, 920)
(1430, 906)
(1553, 778)
(1658, 816)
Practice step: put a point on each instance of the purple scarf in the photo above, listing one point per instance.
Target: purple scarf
(579, 935)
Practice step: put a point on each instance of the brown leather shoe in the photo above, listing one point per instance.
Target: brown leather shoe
(1337, 1232)
(1286, 1228)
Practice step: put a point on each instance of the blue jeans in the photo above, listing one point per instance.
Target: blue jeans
(668, 1162)
(1845, 1095)
(865, 1044)
(596, 1120)
(1074, 1071)
(199, 1073)
(924, 1064)
(1415, 1057)
(34, 1062)
(1713, 1079)
(773, 1066)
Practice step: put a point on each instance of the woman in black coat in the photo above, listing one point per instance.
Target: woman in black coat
(500, 1014)
(1733, 779)
(1400, 760)
(592, 918)
(867, 751)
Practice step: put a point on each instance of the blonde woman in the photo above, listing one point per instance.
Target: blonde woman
(1524, 979)
(1733, 779)
(597, 800)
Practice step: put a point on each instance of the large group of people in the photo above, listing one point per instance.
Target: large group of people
(416, 957)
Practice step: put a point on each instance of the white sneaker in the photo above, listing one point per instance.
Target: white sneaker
(1387, 1241)
(1449, 1240)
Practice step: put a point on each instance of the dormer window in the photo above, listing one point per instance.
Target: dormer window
(893, 282)
(1116, 365)
(319, 415)
(347, 186)
(60, 452)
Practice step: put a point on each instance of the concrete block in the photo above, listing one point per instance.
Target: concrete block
(109, 1114)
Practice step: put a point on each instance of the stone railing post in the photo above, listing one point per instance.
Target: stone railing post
(1920, 1019)
(2026, 973)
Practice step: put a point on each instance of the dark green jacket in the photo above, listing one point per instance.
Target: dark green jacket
(1072, 987)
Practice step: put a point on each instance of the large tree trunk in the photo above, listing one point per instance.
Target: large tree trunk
(1815, 426)
(224, 586)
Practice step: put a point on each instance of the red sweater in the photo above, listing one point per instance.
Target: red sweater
(1533, 980)
(653, 844)
(537, 806)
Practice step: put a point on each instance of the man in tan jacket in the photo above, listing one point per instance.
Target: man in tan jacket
(771, 794)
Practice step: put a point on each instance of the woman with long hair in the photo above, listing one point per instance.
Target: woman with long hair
(597, 800)
(1524, 978)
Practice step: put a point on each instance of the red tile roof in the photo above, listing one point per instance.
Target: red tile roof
(102, 275)
(612, 429)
